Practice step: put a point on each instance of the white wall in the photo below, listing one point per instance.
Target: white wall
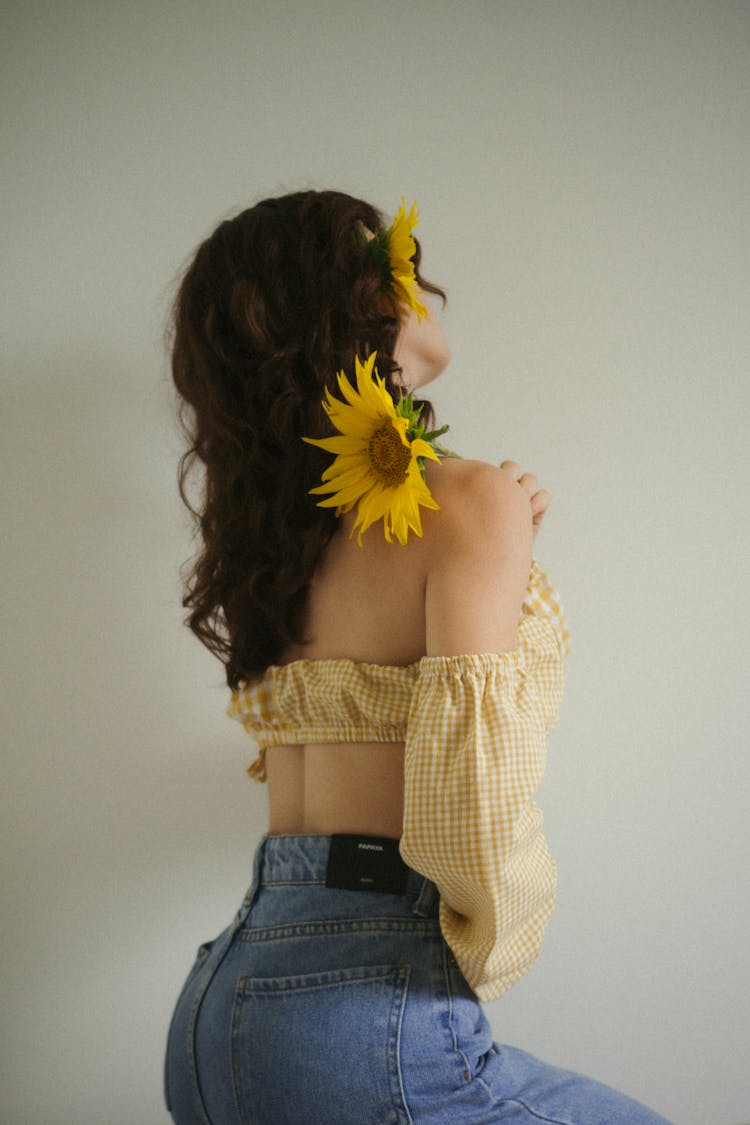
(582, 171)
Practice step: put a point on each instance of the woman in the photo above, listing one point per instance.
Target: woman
(396, 652)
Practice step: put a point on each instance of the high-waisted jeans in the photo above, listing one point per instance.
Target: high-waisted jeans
(321, 1006)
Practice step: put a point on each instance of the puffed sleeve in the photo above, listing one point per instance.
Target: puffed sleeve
(475, 754)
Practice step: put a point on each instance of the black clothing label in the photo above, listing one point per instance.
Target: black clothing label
(366, 863)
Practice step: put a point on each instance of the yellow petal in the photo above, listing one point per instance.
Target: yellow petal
(422, 448)
(352, 397)
(353, 492)
(343, 444)
(373, 392)
(353, 421)
(358, 483)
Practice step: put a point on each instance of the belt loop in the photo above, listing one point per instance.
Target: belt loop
(426, 899)
(253, 889)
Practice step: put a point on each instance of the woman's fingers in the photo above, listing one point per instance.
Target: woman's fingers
(528, 481)
(539, 497)
(540, 501)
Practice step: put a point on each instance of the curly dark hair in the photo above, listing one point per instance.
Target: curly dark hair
(273, 304)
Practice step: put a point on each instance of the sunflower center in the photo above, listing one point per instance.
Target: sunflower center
(388, 455)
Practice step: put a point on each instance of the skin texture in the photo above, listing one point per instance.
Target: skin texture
(421, 350)
(457, 589)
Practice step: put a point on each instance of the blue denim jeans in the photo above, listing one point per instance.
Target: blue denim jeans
(321, 1006)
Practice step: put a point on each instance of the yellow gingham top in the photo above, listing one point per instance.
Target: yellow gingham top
(475, 731)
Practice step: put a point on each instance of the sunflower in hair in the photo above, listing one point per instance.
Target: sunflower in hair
(380, 452)
(395, 248)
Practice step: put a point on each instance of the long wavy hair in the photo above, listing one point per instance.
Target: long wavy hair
(273, 304)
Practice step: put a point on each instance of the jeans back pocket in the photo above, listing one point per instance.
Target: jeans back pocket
(321, 1047)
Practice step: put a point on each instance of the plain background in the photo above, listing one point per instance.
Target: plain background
(582, 173)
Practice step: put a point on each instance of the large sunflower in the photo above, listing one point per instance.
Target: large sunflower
(380, 453)
(396, 248)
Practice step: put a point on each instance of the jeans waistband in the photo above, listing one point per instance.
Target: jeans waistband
(299, 859)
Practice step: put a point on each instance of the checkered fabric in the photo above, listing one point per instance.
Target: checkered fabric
(475, 731)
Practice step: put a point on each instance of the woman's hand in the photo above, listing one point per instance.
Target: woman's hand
(539, 498)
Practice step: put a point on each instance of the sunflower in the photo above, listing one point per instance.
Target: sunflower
(396, 248)
(380, 453)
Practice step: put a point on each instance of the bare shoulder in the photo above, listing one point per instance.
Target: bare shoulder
(476, 501)
(458, 588)
(478, 552)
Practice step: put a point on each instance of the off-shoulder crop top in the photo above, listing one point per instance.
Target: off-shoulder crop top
(475, 731)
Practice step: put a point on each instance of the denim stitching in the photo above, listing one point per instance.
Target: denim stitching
(398, 1002)
(404, 1001)
(451, 1008)
(529, 1109)
(425, 926)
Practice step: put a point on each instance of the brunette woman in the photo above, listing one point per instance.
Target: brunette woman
(395, 651)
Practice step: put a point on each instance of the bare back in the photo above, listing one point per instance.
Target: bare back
(368, 604)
